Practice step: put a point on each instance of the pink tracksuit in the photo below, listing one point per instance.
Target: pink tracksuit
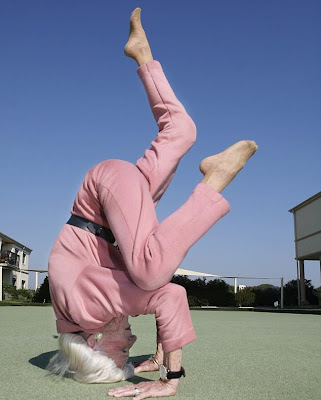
(91, 282)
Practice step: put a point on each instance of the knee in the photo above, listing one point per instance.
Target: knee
(170, 300)
(188, 131)
(192, 129)
(176, 293)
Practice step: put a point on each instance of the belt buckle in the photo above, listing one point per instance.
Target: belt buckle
(115, 244)
(98, 231)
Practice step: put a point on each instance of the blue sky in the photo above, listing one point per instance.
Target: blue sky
(69, 98)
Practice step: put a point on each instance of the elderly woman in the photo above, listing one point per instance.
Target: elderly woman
(114, 259)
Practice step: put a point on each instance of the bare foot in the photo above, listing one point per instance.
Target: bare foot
(137, 46)
(220, 169)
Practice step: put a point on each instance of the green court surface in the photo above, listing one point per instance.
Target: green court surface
(237, 355)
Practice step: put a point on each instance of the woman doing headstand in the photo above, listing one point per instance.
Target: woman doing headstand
(95, 286)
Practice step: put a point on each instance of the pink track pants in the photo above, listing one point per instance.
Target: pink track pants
(123, 196)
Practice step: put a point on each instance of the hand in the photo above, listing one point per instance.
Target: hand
(147, 389)
(149, 365)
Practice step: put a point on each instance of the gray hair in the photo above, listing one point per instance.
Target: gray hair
(76, 360)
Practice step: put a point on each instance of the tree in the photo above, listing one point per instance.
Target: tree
(245, 297)
(183, 281)
(318, 290)
(266, 295)
(198, 288)
(291, 293)
(42, 295)
(218, 293)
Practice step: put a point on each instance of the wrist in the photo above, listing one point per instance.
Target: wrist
(156, 361)
(167, 375)
(172, 383)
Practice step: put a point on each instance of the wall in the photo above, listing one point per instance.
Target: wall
(308, 223)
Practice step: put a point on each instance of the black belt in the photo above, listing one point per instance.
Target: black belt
(94, 228)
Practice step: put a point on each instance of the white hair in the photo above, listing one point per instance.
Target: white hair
(76, 360)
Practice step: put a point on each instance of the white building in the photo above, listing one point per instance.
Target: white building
(14, 260)
(307, 236)
(241, 287)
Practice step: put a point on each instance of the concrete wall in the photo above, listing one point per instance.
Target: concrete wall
(308, 229)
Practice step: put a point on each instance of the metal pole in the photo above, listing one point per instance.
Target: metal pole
(235, 285)
(320, 282)
(302, 283)
(0, 283)
(36, 285)
(298, 282)
(282, 293)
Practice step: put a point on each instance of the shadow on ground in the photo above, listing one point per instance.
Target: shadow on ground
(138, 359)
(42, 360)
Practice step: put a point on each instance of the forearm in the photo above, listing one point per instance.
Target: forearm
(173, 362)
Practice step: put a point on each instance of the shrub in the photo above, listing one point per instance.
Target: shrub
(193, 301)
(9, 292)
(245, 297)
(25, 294)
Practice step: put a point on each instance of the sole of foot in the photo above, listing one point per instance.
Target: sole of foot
(220, 169)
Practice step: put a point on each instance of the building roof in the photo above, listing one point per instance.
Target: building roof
(8, 239)
(305, 202)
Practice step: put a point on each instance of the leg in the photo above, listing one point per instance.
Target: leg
(151, 251)
(177, 131)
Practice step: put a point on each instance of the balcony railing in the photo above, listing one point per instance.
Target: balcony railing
(10, 258)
